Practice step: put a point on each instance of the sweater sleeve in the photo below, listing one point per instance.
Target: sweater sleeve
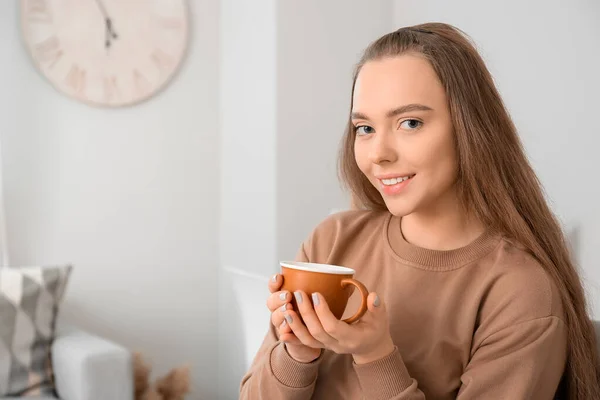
(522, 361)
(274, 374)
(387, 379)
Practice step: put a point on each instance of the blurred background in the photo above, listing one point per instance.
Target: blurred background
(175, 211)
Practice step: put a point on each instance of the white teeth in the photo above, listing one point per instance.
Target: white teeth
(394, 181)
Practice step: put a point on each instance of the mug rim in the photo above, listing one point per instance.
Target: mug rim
(325, 268)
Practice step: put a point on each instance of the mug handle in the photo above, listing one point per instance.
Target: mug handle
(363, 304)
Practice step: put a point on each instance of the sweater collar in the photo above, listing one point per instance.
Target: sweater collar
(438, 260)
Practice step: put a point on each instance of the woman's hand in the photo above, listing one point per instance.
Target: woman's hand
(279, 303)
(367, 340)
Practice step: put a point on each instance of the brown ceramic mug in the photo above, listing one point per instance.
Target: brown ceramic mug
(333, 282)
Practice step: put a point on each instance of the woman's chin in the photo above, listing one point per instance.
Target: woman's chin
(398, 208)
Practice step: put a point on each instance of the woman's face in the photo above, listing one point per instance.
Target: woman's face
(404, 136)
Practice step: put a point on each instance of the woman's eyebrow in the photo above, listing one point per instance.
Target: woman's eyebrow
(396, 111)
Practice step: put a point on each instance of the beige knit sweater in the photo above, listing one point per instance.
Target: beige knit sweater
(480, 322)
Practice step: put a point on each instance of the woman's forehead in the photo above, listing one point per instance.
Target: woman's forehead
(395, 81)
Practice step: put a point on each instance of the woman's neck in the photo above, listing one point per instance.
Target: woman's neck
(443, 226)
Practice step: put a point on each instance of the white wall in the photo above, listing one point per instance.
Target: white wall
(128, 196)
(319, 43)
(285, 90)
(247, 130)
(247, 110)
(545, 60)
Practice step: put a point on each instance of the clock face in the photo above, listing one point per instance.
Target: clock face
(106, 52)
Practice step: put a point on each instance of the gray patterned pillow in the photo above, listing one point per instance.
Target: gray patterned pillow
(29, 300)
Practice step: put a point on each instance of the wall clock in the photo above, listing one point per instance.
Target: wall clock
(106, 52)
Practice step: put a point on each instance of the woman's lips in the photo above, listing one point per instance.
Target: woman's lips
(395, 185)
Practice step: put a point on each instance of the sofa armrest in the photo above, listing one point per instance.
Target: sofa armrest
(87, 367)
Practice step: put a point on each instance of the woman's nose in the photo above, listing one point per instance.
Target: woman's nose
(382, 149)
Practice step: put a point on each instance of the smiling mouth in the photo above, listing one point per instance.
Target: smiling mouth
(395, 181)
(396, 185)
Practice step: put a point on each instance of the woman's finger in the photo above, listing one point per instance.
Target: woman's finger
(275, 283)
(311, 320)
(335, 328)
(277, 299)
(277, 318)
(286, 335)
(290, 338)
(299, 329)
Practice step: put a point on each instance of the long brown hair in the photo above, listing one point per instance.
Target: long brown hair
(495, 179)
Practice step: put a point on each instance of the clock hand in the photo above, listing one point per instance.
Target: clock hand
(109, 30)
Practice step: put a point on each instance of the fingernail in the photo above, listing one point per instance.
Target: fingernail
(315, 298)
(377, 302)
(284, 323)
(283, 307)
(274, 278)
(288, 318)
(283, 296)
(298, 297)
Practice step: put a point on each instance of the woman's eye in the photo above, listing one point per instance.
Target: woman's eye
(411, 124)
(363, 130)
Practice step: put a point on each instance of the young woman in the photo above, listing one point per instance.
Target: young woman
(475, 295)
